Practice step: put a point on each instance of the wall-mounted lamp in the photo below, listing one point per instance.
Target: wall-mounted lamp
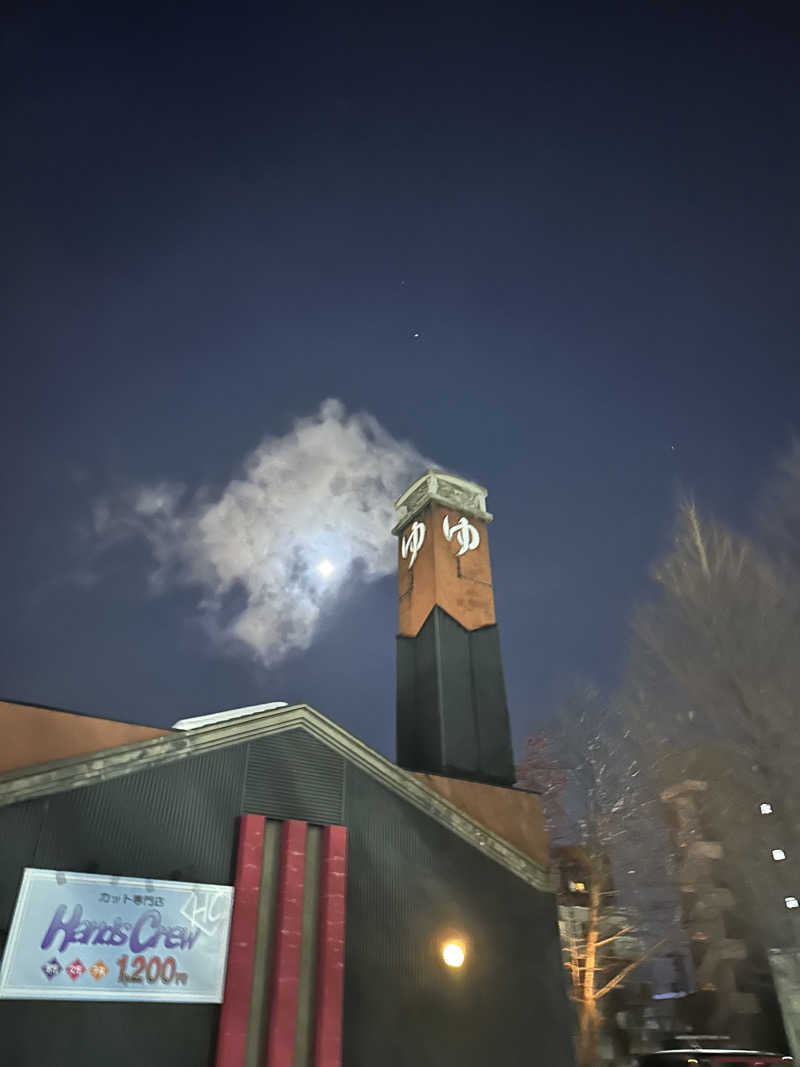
(453, 953)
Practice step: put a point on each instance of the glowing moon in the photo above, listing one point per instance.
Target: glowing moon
(325, 568)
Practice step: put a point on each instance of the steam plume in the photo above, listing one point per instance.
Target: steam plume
(323, 491)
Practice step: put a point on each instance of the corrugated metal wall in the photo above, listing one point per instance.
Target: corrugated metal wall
(409, 879)
(412, 885)
(20, 827)
(294, 776)
(175, 822)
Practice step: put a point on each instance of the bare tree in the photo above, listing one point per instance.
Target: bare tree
(779, 511)
(588, 775)
(716, 663)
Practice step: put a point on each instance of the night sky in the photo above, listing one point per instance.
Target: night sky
(555, 252)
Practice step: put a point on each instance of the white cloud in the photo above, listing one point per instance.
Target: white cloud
(323, 491)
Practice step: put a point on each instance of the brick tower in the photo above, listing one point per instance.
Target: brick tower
(452, 716)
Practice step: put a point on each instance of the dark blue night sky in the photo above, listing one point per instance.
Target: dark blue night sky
(215, 219)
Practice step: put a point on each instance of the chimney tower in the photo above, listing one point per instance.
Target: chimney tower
(452, 715)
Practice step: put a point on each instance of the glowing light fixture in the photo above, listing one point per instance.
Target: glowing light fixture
(766, 809)
(791, 902)
(453, 954)
(778, 854)
(325, 568)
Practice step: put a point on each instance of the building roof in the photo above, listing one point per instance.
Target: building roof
(75, 772)
(33, 734)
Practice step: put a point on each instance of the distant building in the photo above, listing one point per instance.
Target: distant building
(382, 913)
(733, 907)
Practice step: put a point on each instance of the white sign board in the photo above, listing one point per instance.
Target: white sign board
(101, 937)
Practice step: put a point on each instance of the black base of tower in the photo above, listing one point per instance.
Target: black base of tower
(452, 715)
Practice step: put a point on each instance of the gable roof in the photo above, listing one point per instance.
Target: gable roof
(59, 776)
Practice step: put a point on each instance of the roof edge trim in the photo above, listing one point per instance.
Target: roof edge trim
(80, 771)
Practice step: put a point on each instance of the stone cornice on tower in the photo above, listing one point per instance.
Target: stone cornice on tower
(441, 488)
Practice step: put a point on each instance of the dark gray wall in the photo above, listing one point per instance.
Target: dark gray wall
(412, 884)
(409, 880)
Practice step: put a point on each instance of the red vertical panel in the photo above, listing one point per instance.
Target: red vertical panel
(282, 1022)
(330, 953)
(239, 978)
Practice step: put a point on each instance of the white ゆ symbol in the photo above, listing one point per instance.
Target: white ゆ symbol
(413, 543)
(468, 536)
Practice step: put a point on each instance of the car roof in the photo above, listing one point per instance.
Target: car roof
(720, 1052)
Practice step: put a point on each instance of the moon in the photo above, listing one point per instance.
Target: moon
(325, 568)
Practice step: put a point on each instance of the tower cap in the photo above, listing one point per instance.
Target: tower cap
(442, 488)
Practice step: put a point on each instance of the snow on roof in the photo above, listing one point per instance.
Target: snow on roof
(223, 716)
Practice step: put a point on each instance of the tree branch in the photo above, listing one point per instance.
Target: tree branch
(607, 940)
(623, 974)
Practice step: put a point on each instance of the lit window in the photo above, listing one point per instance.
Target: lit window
(778, 854)
(577, 887)
(766, 809)
(791, 902)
